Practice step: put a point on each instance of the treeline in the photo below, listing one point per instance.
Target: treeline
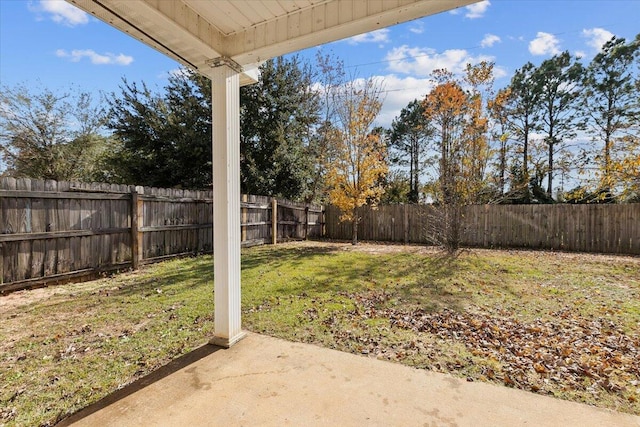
(163, 138)
(561, 123)
(560, 131)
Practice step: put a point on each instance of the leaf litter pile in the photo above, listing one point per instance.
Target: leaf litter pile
(584, 359)
(565, 352)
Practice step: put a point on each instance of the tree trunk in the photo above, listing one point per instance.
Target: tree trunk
(550, 181)
(525, 156)
(354, 229)
(452, 227)
(607, 162)
(503, 166)
(525, 164)
(415, 172)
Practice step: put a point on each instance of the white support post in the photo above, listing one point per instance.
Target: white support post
(225, 84)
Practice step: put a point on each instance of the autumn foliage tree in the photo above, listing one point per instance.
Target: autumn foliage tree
(444, 106)
(476, 150)
(555, 124)
(457, 111)
(355, 176)
(626, 170)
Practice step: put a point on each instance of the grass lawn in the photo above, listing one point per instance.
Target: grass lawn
(566, 325)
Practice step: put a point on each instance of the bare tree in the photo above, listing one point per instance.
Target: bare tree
(49, 135)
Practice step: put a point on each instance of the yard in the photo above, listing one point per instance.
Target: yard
(561, 324)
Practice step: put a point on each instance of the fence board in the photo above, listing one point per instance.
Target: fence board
(23, 206)
(53, 231)
(585, 228)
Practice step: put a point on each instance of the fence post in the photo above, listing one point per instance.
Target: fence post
(406, 223)
(274, 220)
(134, 229)
(485, 239)
(136, 224)
(306, 221)
(243, 222)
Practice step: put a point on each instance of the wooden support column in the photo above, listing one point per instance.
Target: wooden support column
(226, 204)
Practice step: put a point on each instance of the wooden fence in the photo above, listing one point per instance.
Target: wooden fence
(56, 231)
(584, 228)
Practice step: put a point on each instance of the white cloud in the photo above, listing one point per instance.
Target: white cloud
(398, 92)
(544, 44)
(537, 136)
(417, 27)
(489, 40)
(378, 36)
(477, 10)
(597, 37)
(409, 77)
(176, 72)
(499, 72)
(97, 59)
(422, 62)
(61, 12)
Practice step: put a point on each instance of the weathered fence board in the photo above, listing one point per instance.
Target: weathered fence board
(58, 230)
(583, 228)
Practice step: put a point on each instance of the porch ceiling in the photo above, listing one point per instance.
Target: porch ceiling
(195, 32)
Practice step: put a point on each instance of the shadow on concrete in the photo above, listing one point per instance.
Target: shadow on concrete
(166, 370)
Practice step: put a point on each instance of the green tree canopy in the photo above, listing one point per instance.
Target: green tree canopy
(164, 139)
(278, 116)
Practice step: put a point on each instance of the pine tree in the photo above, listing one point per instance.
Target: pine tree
(558, 80)
(408, 141)
(610, 103)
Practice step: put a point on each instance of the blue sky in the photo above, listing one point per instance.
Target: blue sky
(53, 45)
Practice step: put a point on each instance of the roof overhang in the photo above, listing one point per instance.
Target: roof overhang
(247, 32)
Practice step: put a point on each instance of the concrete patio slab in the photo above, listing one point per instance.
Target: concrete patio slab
(267, 381)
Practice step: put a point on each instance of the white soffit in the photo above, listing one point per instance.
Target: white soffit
(194, 32)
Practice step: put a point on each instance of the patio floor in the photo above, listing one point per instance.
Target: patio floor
(271, 382)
